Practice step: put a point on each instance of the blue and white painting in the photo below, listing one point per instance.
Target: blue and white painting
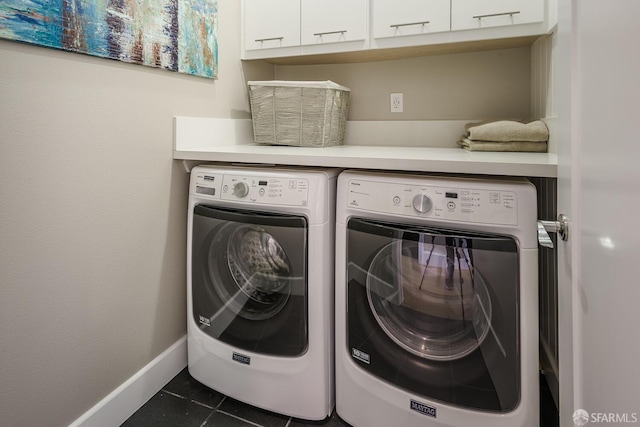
(177, 35)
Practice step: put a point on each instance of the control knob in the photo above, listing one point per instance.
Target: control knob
(241, 189)
(421, 203)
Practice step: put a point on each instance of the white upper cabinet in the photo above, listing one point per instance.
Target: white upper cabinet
(476, 14)
(271, 24)
(303, 28)
(397, 18)
(333, 21)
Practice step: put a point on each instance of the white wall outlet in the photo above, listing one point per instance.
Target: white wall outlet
(396, 103)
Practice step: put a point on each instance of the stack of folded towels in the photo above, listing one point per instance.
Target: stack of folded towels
(505, 135)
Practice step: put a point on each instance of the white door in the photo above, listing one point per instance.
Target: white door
(393, 18)
(472, 14)
(330, 21)
(599, 188)
(271, 24)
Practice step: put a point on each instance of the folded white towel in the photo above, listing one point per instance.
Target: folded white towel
(519, 146)
(507, 130)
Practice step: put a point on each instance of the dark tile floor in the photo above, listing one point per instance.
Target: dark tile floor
(184, 402)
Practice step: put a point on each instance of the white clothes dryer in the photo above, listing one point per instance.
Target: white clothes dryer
(436, 301)
(260, 282)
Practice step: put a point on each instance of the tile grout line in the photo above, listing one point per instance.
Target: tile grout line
(213, 410)
(221, 402)
(239, 418)
(204, 423)
(202, 404)
(173, 394)
(217, 409)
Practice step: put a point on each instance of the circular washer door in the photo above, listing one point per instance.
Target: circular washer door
(435, 311)
(249, 280)
(260, 269)
(425, 299)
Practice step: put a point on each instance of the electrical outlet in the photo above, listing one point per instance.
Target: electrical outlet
(396, 103)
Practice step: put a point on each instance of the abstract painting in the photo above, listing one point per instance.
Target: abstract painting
(177, 35)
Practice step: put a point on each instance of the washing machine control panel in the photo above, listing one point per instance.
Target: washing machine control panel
(270, 190)
(451, 203)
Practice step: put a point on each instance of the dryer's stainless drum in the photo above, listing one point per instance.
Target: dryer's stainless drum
(428, 299)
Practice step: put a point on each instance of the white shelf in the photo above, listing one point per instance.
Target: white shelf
(225, 140)
(449, 160)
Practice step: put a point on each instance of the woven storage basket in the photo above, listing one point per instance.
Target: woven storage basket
(305, 114)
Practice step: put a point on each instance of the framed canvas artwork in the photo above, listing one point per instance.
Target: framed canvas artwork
(176, 35)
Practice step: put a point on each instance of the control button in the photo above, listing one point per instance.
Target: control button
(261, 191)
(451, 206)
(421, 203)
(241, 189)
(396, 200)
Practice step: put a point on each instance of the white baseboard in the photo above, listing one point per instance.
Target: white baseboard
(122, 402)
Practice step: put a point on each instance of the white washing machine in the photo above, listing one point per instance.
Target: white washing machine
(436, 301)
(260, 281)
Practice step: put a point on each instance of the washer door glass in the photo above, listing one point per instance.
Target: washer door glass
(248, 279)
(260, 269)
(435, 311)
(425, 297)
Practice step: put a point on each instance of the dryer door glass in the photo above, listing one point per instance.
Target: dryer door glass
(425, 296)
(249, 279)
(435, 311)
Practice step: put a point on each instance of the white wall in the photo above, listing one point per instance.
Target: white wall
(462, 86)
(93, 219)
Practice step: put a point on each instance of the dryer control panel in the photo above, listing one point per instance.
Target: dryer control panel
(451, 203)
(252, 189)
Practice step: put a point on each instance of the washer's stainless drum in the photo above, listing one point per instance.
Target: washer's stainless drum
(427, 298)
(258, 266)
(260, 269)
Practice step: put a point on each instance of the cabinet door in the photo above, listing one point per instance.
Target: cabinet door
(394, 18)
(330, 21)
(474, 14)
(271, 23)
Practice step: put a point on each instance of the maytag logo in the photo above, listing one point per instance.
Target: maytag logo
(423, 409)
(361, 356)
(241, 358)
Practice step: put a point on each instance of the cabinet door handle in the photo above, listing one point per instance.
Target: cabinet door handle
(496, 14)
(329, 32)
(269, 39)
(409, 23)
